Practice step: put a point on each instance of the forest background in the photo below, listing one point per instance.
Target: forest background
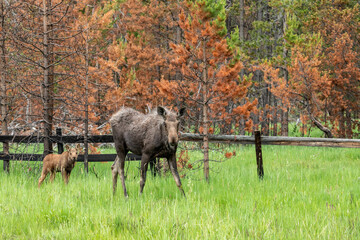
(236, 66)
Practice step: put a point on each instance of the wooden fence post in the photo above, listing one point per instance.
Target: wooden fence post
(259, 161)
(60, 145)
(6, 163)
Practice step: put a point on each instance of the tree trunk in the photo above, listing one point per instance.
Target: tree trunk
(228, 20)
(259, 18)
(4, 102)
(285, 123)
(342, 124)
(47, 118)
(178, 41)
(241, 20)
(318, 124)
(86, 123)
(285, 115)
(265, 106)
(205, 118)
(349, 132)
(242, 126)
(275, 118)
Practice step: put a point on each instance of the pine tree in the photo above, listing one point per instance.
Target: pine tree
(210, 70)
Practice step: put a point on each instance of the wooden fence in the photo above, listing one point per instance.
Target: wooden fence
(237, 139)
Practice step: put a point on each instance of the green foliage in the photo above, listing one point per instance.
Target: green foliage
(234, 40)
(216, 12)
(215, 8)
(306, 193)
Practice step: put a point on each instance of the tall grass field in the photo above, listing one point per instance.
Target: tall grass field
(306, 193)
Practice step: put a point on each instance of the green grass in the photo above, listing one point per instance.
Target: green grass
(307, 193)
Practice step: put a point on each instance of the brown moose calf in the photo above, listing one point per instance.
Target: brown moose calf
(63, 163)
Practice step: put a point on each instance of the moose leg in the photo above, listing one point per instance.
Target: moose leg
(115, 167)
(42, 177)
(67, 176)
(144, 166)
(118, 167)
(52, 175)
(173, 168)
(64, 176)
(153, 166)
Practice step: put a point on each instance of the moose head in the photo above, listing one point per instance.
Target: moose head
(171, 124)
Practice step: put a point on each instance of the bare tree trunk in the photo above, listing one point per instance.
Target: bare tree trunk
(242, 72)
(256, 117)
(342, 124)
(242, 126)
(258, 52)
(205, 118)
(241, 20)
(86, 134)
(285, 115)
(4, 102)
(46, 84)
(266, 104)
(285, 123)
(302, 129)
(349, 132)
(318, 123)
(321, 127)
(259, 17)
(178, 41)
(325, 112)
(275, 118)
(51, 57)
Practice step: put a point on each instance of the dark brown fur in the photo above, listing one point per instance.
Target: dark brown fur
(152, 135)
(63, 163)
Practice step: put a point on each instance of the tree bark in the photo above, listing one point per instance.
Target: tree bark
(349, 132)
(242, 126)
(47, 118)
(86, 123)
(285, 115)
(266, 104)
(241, 20)
(318, 124)
(275, 118)
(3, 101)
(342, 123)
(205, 117)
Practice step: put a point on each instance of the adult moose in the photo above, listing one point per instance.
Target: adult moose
(152, 135)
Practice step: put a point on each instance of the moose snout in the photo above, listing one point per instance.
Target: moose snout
(173, 141)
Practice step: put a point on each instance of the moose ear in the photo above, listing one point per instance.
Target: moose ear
(181, 112)
(161, 111)
(67, 147)
(78, 147)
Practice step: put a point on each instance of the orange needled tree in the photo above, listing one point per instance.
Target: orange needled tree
(209, 79)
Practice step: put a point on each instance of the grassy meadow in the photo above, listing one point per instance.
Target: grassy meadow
(307, 193)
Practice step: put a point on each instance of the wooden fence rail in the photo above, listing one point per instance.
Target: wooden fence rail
(237, 139)
(92, 157)
(190, 137)
(270, 140)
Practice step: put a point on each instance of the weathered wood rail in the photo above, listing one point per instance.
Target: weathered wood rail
(190, 137)
(91, 157)
(236, 139)
(269, 140)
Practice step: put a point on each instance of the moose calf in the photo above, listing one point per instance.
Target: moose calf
(63, 163)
